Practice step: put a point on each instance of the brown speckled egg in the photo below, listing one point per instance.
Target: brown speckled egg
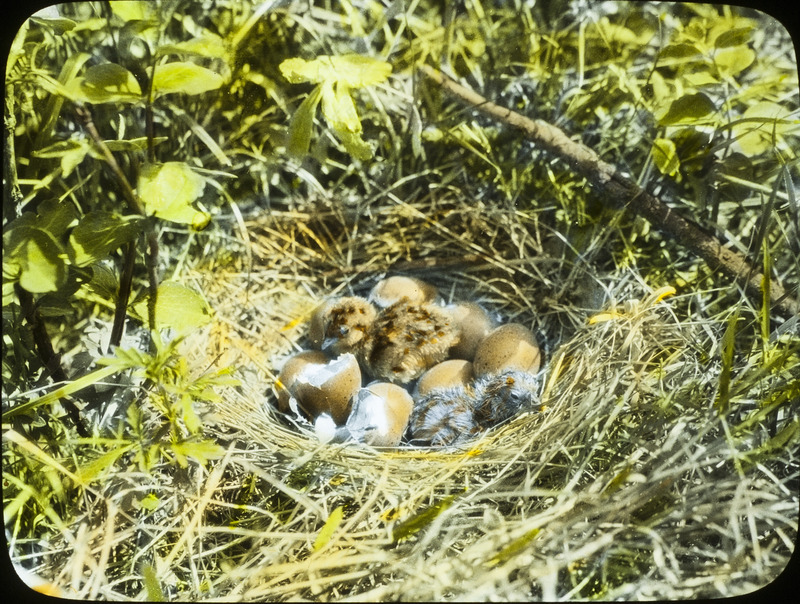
(293, 366)
(393, 289)
(447, 374)
(509, 347)
(328, 388)
(473, 324)
(380, 414)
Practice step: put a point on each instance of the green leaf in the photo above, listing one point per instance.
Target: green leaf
(59, 25)
(421, 519)
(168, 191)
(185, 77)
(34, 258)
(208, 45)
(131, 10)
(90, 471)
(34, 254)
(99, 233)
(104, 282)
(515, 547)
(682, 50)
(106, 83)
(201, 451)
(734, 37)
(152, 585)
(149, 502)
(734, 60)
(665, 156)
(302, 123)
(177, 307)
(133, 144)
(339, 109)
(688, 109)
(328, 529)
(354, 71)
(726, 358)
(762, 126)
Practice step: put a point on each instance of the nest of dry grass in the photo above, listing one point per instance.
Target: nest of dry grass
(628, 485)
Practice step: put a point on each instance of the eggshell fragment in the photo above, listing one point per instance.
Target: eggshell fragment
(380, 414)
(292, 367)
(328, 388)
(473, 324)
(447, 374)
(393, 289)
(509, 347)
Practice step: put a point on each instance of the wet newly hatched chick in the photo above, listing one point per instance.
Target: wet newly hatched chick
(502, 396)
(443, 417)
(405, 340)
(449, 416)
(342, 325)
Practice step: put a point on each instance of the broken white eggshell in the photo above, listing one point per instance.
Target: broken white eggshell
(288, 374)
(326, 388)
(380, 414)
(506, 348)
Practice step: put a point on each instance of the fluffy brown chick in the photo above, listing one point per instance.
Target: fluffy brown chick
(406, 339)
(342, 325)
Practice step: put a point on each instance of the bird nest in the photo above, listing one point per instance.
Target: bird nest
(625, 482)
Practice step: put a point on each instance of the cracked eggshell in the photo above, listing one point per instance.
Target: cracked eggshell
(393, 289)
(473, 324)
(447, 374)
(288, 374)
(328, 388)
(380, 414)
(509, 347)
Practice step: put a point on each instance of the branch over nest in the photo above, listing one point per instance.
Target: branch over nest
(621, 190)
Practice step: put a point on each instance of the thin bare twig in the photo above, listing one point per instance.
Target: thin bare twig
(623, 191)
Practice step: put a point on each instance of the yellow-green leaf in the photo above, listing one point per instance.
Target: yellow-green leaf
(152, 585)
(99, 233)
(200, 451)
(177, 307)
(168, 191)
(763, 126)
(665, 156)
(329, 528)
(208, 45)
(734, 37)
(338, 108)
(732, 61)
(355, 71)
(131, 10)
(688, 109)
(149, 502)
(90, 471)
(185, 77)
(33, 257)
(105, 83)
(133, 144)
(302, 123)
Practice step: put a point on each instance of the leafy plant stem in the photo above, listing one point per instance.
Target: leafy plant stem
(48, 356)
(134, 203)
(125, 284)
